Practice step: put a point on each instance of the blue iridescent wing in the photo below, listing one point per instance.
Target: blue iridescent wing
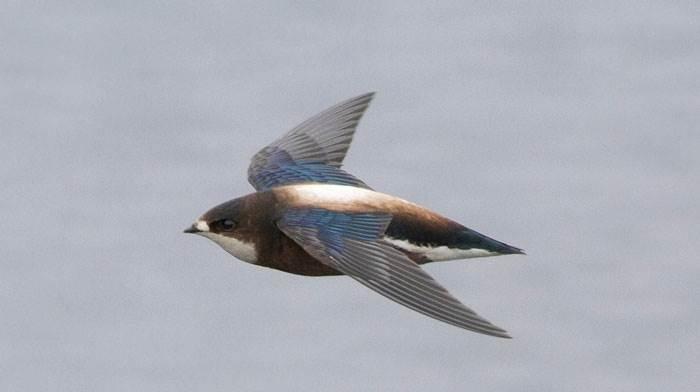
(313, 151)
(351, 243)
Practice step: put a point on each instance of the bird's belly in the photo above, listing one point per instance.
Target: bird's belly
(282, 253)
(303, 265)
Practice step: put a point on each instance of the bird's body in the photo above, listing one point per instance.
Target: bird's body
(423, 235)
(311, 218)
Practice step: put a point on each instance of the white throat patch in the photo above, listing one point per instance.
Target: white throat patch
(240, 249)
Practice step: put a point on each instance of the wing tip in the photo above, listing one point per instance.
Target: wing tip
(502, 335)
(364, 99)
(489, 329)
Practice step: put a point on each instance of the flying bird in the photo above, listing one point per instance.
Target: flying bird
(310, 217)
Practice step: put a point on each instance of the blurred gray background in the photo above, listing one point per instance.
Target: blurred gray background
(567, 129)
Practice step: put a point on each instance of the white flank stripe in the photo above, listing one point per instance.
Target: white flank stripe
(439, 253)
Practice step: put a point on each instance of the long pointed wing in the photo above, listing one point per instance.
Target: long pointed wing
(313, 151)
(350, 243)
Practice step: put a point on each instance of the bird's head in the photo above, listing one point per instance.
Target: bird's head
(228, 225)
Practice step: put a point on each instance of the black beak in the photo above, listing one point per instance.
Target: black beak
(192, 229)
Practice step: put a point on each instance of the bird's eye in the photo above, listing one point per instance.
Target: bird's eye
(226, 224)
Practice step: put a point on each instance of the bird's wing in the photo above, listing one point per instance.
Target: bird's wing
(351, 243)
(313, 151)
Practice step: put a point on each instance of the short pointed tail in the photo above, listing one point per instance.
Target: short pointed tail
(471, 239)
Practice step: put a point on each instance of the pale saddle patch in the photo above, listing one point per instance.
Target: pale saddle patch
(323, 193)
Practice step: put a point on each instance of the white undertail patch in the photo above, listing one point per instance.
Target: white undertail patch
(439, 253)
